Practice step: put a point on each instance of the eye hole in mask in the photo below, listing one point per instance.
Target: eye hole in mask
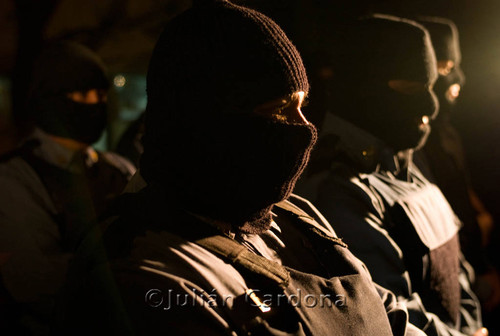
(286, 109)
(408, 87)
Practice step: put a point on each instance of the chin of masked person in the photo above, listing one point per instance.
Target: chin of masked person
(232, 168)
(63, 117)
(400, 119)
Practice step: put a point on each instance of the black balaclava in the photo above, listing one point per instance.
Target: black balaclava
(368, 54)
(444, 37)
(203, 145)
(61, 68)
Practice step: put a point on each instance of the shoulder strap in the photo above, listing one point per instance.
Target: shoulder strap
(20, 151)
(305, 222)
(239, 255)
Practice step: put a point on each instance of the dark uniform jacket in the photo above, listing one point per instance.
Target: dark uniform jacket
(49, 197)
(170, 272)
(402, 228)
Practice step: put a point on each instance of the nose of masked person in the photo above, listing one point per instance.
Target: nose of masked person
(411, 105)
(397, 112)
(445, 40)
(237, 165)
(448, 85)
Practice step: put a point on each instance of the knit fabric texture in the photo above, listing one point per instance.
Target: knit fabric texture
(204, 145)
(444, 36)
(383, 47)
(218, 58)
(445, 40)
(64, 67)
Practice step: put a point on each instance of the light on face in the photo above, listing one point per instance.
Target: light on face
(92, 96)
(424, 124)
(445, 67)
(284, 109)
(119, 81)
(301, 95)
(453, 92)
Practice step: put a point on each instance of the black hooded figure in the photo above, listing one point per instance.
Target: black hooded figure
(55, 185)
(380, 102)
(243, 163)
(62, 68)
(442, 159)
(215, 243)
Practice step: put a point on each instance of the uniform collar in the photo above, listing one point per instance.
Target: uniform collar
(62, 157)
(367, 151)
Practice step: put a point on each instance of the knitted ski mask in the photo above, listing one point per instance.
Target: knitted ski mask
(60, 69)
(444, 37)
(203, 144)
(370, 53)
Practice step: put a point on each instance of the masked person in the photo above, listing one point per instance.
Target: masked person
(444, 161)
(216, 226)
(396, 221)
(55, 186)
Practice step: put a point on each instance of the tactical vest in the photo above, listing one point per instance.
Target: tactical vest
(350, 306)
(422, 223)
